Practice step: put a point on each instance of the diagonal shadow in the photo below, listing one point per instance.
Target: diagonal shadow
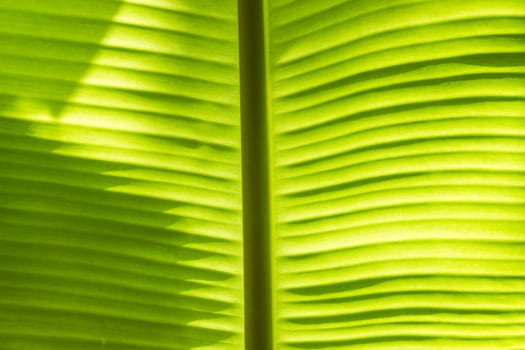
(84, 266)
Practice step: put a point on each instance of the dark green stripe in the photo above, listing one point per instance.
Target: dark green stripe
(255, 174)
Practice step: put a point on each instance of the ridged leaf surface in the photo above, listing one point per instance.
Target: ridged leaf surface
(119, 175)
(397, 168)
(399, 136)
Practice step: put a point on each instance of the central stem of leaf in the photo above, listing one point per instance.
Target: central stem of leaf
(257, 218)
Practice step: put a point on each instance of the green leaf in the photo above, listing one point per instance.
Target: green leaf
(399, 151)
(262, 174)
(119, 175)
